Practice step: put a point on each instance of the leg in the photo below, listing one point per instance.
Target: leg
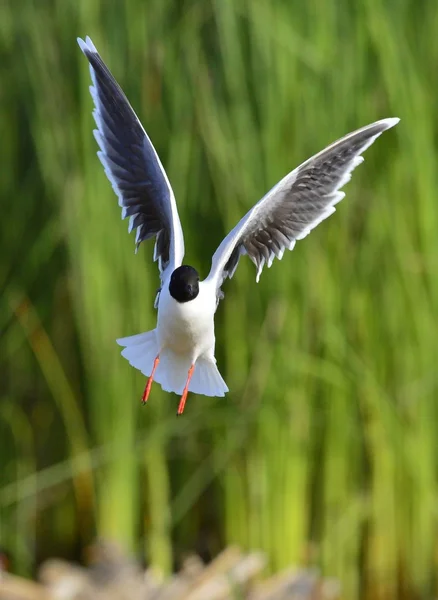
(147, 389)
(185, 392)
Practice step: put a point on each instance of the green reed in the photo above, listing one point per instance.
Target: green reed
(324, 451)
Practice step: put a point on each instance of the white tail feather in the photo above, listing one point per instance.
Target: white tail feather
(141, 350)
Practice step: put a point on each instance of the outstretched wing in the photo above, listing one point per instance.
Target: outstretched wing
(133, 167)
(293, 207)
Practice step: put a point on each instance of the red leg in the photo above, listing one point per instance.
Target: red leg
(182, 402)
(147, 389)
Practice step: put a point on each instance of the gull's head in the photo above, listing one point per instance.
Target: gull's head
(184, 284)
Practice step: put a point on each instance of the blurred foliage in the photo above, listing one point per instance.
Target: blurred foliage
(324, 452)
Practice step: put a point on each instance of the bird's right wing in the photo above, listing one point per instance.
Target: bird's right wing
(293, 207)
(133, 167)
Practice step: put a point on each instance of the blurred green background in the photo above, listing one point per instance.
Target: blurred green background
(324, 453)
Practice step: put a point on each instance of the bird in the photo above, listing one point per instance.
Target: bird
(179, 353)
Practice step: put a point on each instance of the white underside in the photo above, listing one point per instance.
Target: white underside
(184, 336)
(141, 350)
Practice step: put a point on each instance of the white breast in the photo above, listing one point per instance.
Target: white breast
(188, 327)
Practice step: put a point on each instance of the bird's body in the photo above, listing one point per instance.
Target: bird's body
(188, 327)
(184, 337)
(180, 352)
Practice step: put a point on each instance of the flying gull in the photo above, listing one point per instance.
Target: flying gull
(179, 352)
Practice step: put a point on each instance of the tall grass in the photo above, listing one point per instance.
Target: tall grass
(324, 451)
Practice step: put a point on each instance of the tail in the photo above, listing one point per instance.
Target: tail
(141, 350)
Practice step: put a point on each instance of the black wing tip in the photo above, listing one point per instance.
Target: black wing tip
(87, 46)
(380, 126)
(388, 123)
(373, 129)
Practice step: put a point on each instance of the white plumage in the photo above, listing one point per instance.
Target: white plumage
(184, 336)
(180, 352)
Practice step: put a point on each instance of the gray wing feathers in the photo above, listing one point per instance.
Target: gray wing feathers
(132, 165)
(294, 206)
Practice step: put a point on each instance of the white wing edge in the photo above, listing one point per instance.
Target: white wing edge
(225, 249)
(177, 238)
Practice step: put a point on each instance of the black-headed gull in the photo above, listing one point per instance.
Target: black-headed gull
(179, 352)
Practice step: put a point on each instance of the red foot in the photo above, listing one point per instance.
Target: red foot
(147, 389)
(182, 402)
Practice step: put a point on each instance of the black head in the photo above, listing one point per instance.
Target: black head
(184, 284)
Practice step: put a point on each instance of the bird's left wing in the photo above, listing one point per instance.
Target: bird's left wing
(293, 207)
(133, 167)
